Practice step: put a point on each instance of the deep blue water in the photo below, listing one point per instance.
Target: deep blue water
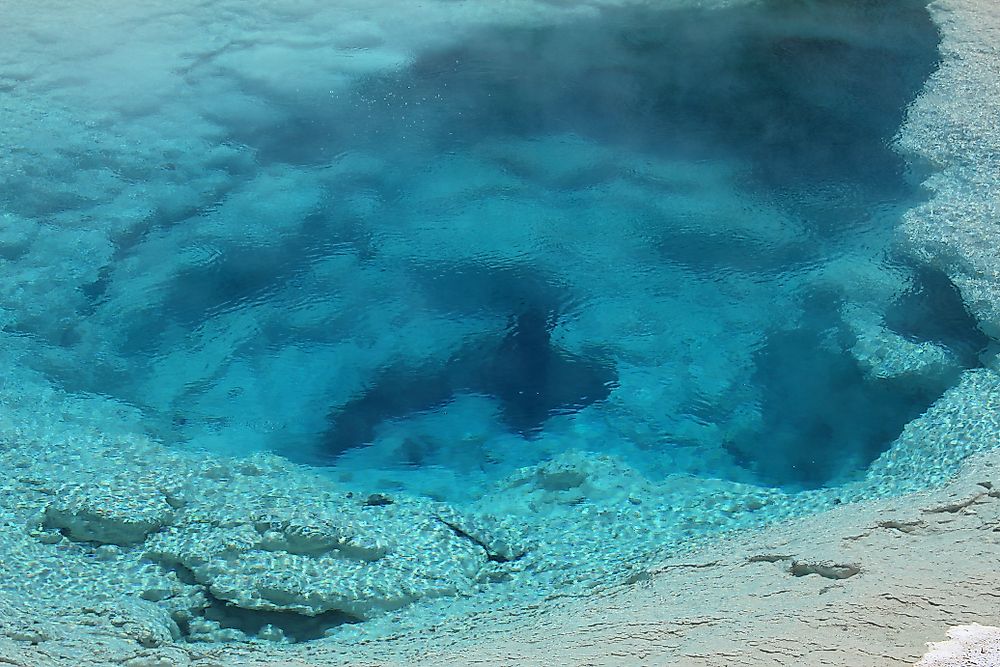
(648, 232)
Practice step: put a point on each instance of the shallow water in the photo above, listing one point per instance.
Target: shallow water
(658, 233)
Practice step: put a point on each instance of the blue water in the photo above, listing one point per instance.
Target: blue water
(444, 265)
(644, 232)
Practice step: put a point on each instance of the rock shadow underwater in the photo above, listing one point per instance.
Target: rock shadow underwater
(826, 412)
(527, 375)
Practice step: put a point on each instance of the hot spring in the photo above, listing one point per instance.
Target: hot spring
(486, 269)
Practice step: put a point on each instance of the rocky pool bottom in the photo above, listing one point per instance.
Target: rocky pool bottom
(200, 548)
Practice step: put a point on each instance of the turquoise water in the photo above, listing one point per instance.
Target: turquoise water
(512, 236)
(662, 234)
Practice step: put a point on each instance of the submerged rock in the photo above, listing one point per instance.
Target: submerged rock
(118, 512)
